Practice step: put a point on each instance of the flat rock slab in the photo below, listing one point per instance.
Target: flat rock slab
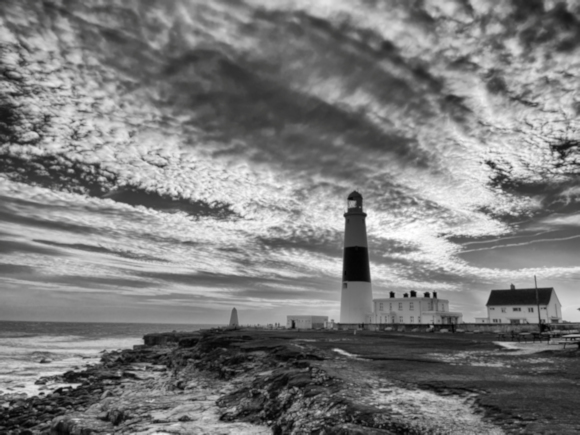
(152, 408)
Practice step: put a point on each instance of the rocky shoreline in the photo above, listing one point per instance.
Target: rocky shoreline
(222, 382)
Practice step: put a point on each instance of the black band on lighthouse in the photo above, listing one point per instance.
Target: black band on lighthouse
(355, 266)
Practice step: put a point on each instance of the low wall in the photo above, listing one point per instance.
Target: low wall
(508, 327)
(468, 327)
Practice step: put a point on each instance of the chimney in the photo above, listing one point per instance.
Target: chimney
(413, 294)
(427, 294)
(392, 294)
(406, 295)
(512, 287)
(434, 295)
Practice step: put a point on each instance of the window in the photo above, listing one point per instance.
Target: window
(419, 319)
(400, 319)
(495, 320)
(411, 307)
(381, 306)
(344, 285)
(412, 319)
(400, 306)
(491, 309)
(517, 309)
(530, 310)
(503, 310)
(442, 307)
(390, 307)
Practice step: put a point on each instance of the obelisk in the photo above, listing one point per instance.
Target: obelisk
(234, 319)
(357, 294)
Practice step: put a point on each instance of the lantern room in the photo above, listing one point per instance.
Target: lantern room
(354, 202)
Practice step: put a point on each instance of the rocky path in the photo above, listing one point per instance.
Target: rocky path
(418, 409)
(131, 392)
(158, 406)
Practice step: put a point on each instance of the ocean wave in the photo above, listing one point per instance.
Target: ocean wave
(13, 334)
(66, 343)
(68, 346)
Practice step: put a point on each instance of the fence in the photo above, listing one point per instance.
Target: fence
(467, 327)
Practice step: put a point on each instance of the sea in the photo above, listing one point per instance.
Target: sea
(62, 347)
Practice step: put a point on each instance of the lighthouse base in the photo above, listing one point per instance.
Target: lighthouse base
(356, 302)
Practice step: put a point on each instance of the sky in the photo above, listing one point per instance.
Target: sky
(166, 161)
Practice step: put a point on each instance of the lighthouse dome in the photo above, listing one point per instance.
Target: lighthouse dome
(354, 201)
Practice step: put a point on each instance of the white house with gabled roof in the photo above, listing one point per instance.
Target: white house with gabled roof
(521, 306)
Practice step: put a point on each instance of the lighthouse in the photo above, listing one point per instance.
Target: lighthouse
(356, 299)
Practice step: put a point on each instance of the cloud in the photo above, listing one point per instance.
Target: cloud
(523, 243)
(571, 220)
(210, 146)
(87, 282)
(15, 269)
(100, 249)
(10, 247)
(13, 216)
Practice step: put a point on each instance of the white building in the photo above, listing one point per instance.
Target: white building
(412, 309)
(306, 322)
(521, 306)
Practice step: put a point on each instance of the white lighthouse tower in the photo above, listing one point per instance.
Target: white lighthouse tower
(356, 299)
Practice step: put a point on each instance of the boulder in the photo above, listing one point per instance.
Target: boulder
(116, 416)
(188, 341)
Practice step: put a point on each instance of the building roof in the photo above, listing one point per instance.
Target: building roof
(523, 296)
(305, 316)
(409, 299)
